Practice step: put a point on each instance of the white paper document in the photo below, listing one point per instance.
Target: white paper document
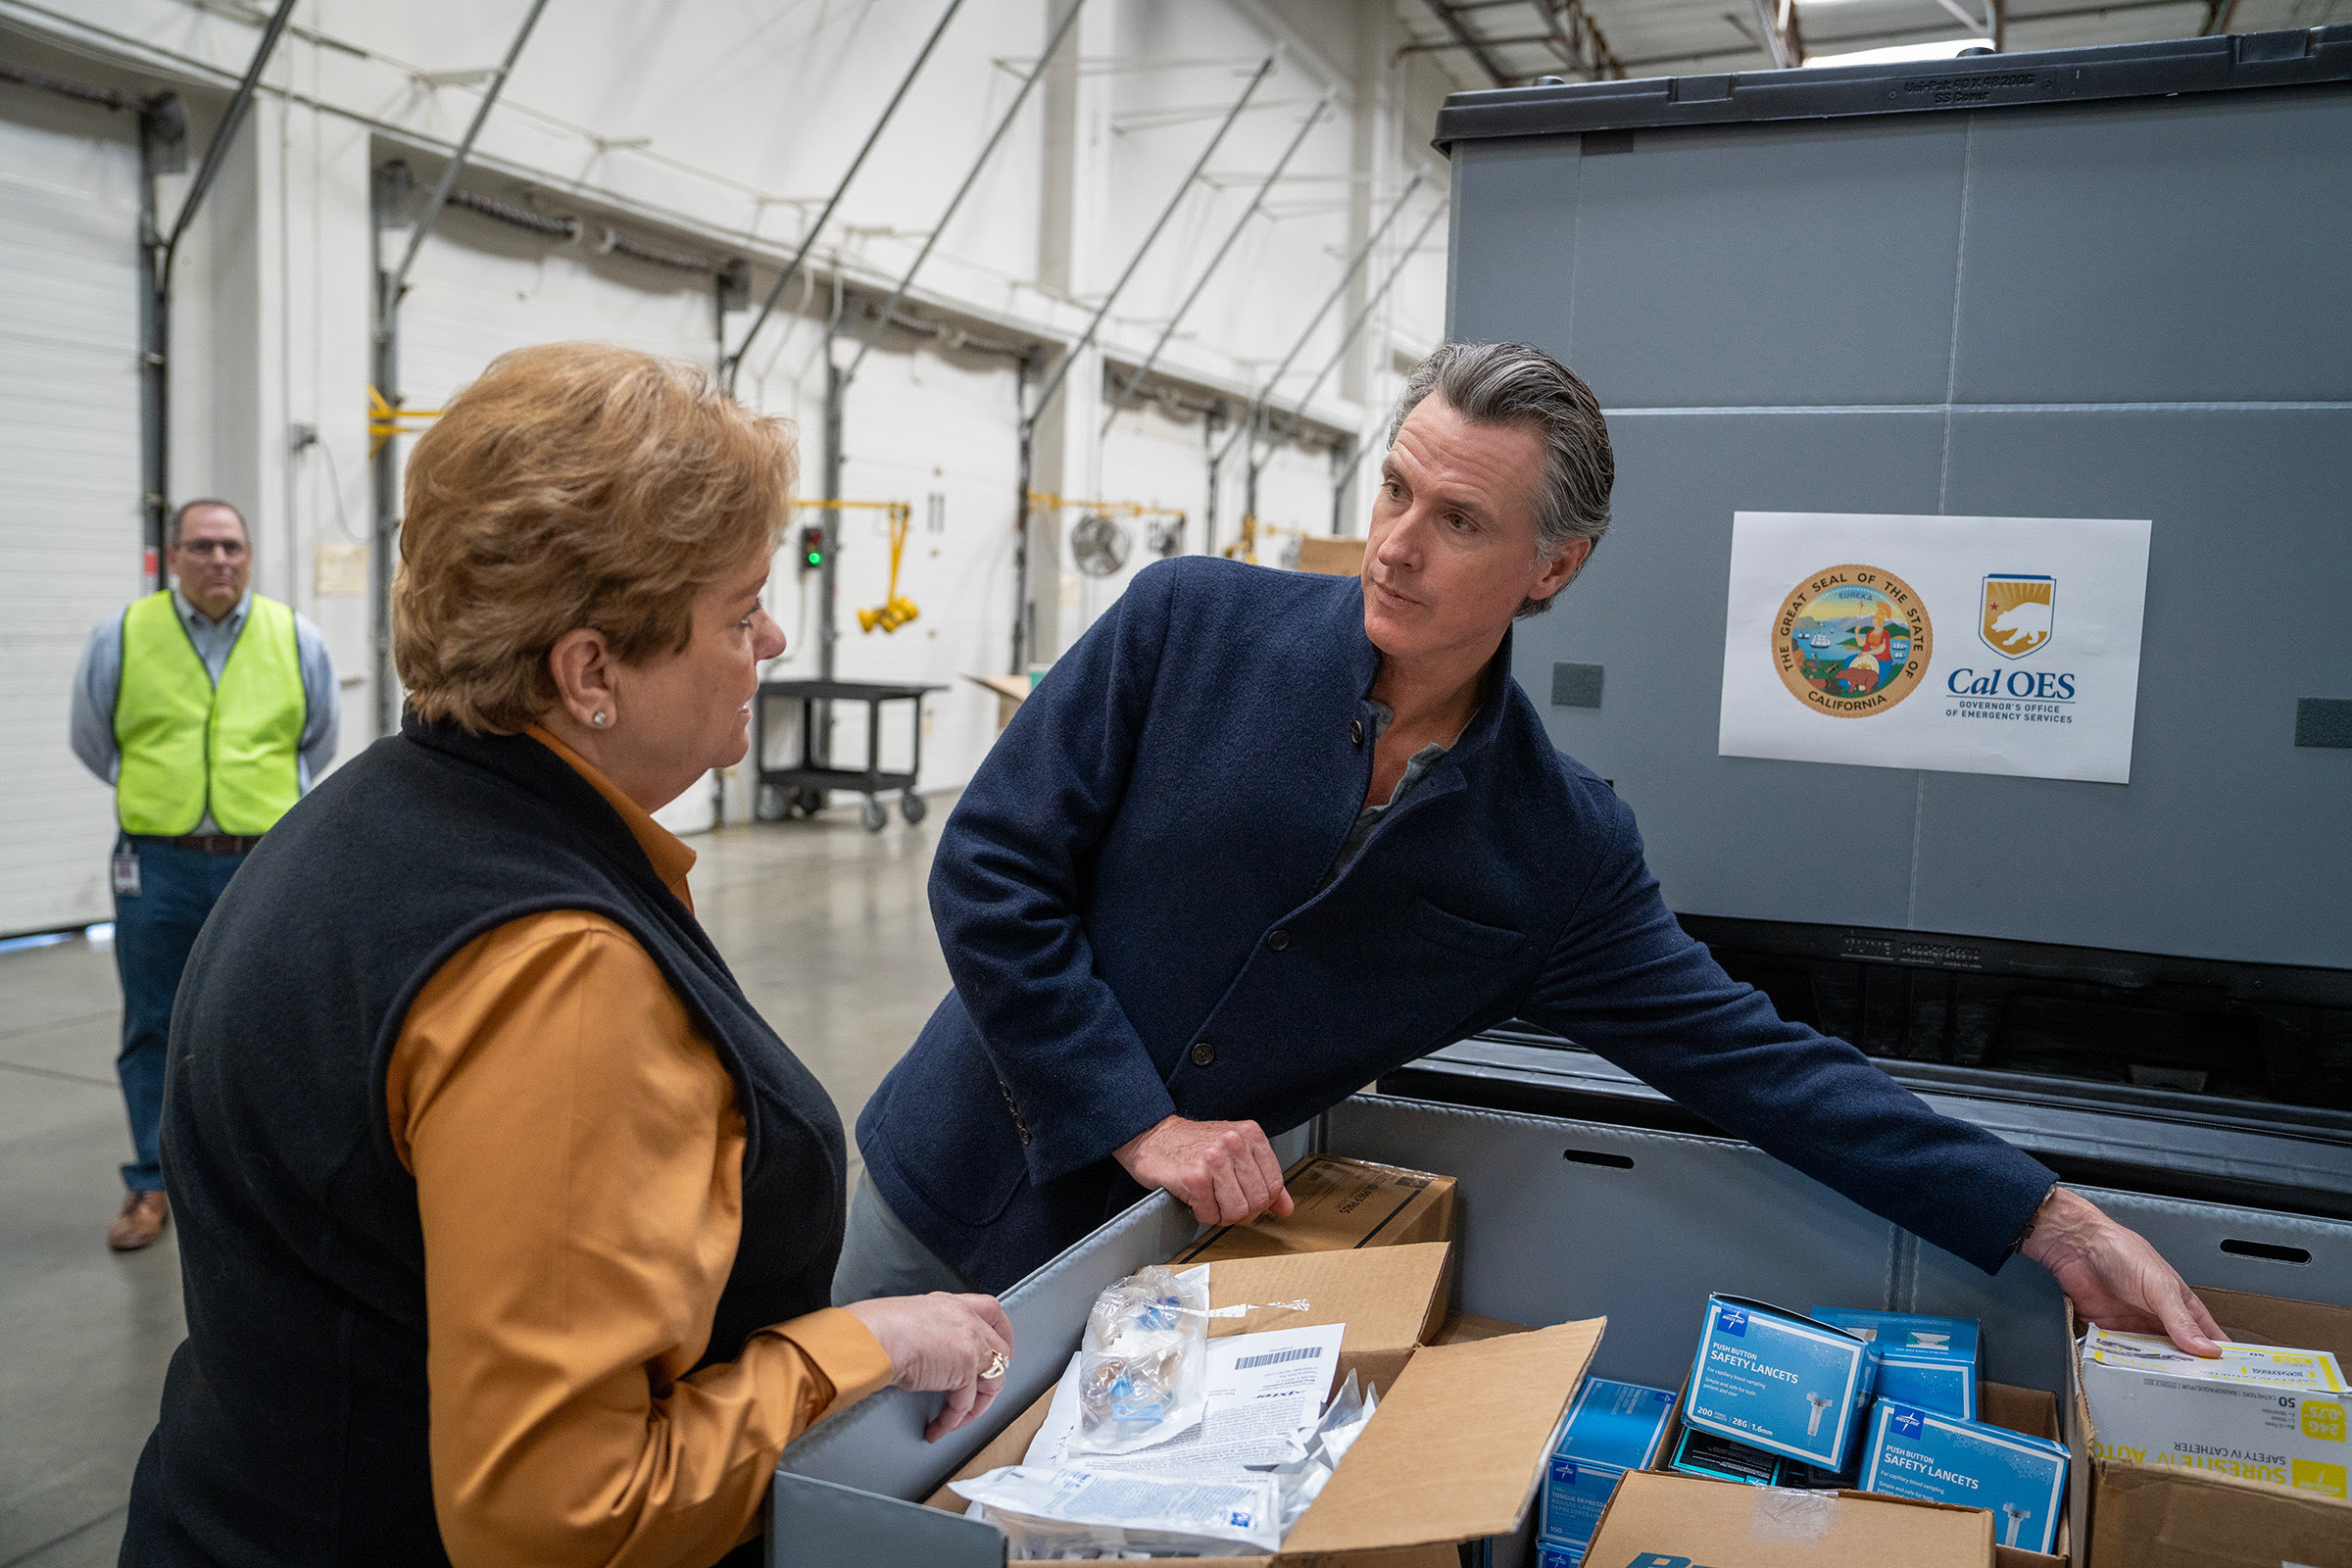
(1091, 1514)
(1966, 645)
(1265, 1394)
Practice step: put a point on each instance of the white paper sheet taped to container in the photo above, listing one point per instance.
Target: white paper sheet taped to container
(1968, 644)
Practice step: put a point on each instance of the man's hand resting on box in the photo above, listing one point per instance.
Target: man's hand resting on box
(1225, 1170)
(2114, 1277)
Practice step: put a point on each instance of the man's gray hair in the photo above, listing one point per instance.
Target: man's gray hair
(179, 518)
(1511, 383)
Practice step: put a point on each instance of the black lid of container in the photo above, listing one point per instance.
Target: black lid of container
(1976, 81)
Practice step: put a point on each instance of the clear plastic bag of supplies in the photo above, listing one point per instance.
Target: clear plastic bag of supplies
(1065, 1515)
(1142, 1365)
(1301, 1480)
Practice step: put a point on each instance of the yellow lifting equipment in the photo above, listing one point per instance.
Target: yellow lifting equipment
(896, 610)
(384, 421)
(1252, 534)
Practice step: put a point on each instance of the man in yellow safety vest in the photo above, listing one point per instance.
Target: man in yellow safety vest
(210, 710)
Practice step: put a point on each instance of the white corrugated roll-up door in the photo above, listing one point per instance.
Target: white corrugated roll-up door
(70, 520)
(939, 428)
(481, 287)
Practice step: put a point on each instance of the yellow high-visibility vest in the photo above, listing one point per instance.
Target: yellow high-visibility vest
(188, 745)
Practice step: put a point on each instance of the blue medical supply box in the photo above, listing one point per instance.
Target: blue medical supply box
(1940, 1458)
(1777, 1381)
(1610, 1428)
(1923, 1360)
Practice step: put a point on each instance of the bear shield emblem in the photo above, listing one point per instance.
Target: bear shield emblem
(2017, 614)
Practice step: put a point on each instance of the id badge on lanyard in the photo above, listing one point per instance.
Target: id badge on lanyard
(127, 871)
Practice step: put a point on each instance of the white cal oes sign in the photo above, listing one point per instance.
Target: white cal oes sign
(1965, 645)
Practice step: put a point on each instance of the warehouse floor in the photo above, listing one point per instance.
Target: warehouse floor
(825, 925)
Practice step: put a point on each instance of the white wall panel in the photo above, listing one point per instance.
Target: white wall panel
(70, 473)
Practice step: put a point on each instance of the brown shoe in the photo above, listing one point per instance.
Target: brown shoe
(143, 1218)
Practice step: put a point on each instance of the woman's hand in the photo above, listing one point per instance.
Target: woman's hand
(1225, 1171)
(942, 1342)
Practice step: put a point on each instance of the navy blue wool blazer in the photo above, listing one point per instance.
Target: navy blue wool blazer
(1130, 900)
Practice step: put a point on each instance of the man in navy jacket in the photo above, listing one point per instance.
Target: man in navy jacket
(1263, 836)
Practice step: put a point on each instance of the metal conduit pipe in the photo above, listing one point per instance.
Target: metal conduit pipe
(391, 197)
(733, 364)
(1362, 317)
(1184, 188)
(157, 254)
(1029, 83)
(1266, 187)
(1257, 404)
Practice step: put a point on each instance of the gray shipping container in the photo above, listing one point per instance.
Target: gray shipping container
(2103, 284)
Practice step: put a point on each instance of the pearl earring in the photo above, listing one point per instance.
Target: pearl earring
(598, 720)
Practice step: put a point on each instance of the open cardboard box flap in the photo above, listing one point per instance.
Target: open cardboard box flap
(1457, 1447)
(1389, 1298)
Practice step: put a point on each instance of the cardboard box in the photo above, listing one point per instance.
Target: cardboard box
(1339, 1205)
(2034, 1412)
(2259, 1412)
(1458, 1445)
(1610, 1428)
(1671, 1520)
(2175, 1517)
(2031, 1411)
(1778, 1381)
(2162, 1516)
(1332, 555)
(1944, 1458)
(1468, 1328)
(1931, 1362)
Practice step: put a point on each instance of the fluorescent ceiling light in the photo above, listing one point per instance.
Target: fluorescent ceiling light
(1898, 52)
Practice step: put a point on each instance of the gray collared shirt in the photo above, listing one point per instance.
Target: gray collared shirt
(1416, 768)
(100, 678)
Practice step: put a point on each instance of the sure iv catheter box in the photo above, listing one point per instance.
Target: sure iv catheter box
(1923, 1360)
(1940, 1458)
(1610, 1428)
(2263, 1412)
(1779, 1382)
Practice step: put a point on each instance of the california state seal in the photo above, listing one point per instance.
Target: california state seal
(1851, 641)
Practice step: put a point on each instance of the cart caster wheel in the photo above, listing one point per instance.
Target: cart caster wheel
(873, 814)
(807, 802)
(912, 807)
(769, 805)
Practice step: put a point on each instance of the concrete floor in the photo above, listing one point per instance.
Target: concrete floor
(825, 924)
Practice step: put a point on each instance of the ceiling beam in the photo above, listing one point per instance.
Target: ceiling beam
(1469, 40)
(1895, 35)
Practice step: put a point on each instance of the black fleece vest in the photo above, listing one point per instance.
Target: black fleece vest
(294, 1418)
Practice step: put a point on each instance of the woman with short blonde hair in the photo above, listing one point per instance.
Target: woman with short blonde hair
(508, 1225)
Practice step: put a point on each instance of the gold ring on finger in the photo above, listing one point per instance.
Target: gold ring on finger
(996, 1366)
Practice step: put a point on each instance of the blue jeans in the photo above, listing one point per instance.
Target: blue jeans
(154, 931)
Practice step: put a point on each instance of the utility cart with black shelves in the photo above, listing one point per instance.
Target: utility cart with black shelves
(803, 786)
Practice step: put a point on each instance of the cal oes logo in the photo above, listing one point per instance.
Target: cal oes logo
(2017, 614)
(1851, 641)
